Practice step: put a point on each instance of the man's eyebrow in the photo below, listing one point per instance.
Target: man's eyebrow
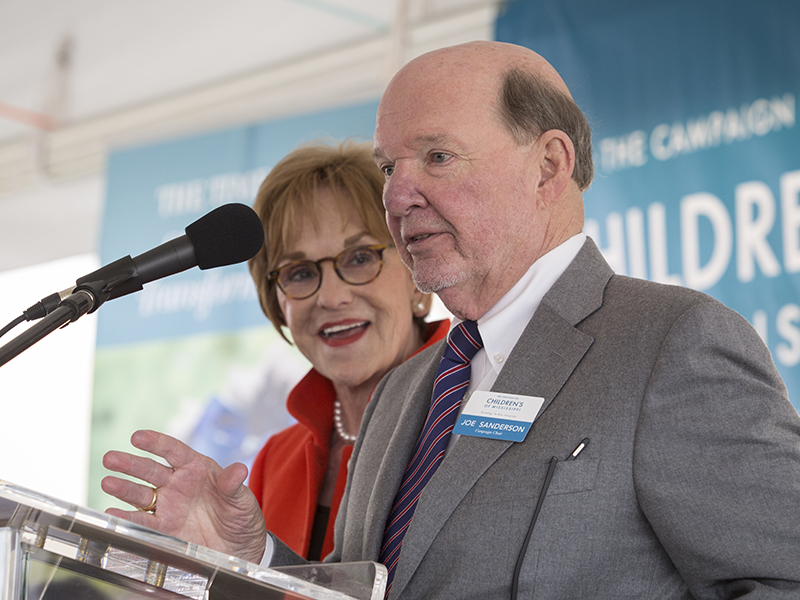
(433, 138)
(419, 141)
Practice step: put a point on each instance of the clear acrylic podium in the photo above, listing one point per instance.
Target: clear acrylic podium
(53, 550)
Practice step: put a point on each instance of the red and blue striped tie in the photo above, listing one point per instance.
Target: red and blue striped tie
(452, 380)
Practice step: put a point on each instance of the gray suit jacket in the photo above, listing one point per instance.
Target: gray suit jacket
(689, 488)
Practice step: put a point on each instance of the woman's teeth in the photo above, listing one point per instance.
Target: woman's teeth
(329, 331)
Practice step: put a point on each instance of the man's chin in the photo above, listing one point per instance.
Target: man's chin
(431, 282)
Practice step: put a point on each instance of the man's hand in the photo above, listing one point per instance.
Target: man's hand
(198, 501)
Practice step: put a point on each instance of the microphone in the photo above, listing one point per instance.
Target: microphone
(229, 234)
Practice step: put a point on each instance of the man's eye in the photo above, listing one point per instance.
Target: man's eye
(439, 157)
(388, 170)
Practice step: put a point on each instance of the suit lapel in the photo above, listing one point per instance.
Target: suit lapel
(545, 356)
(552, 345)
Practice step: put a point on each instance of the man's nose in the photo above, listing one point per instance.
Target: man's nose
(402, 190)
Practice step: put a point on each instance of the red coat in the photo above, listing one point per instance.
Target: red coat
(287, 474)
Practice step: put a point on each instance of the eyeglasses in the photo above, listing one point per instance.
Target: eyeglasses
(357, 266)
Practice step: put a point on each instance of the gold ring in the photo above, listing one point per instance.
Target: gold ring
(152, 506)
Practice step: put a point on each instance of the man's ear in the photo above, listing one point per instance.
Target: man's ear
(557, 162)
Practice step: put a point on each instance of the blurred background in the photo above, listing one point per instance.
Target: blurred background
(122, 122)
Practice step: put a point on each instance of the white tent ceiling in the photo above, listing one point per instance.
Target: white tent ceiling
(81, 77)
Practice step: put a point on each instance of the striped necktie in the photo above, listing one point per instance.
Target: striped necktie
(452, 380)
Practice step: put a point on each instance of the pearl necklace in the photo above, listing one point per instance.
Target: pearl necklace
(337, 419)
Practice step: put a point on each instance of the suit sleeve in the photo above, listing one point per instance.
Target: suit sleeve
(717, 459)
(282, 555)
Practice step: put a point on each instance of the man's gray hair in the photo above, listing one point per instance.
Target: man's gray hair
(529, 106)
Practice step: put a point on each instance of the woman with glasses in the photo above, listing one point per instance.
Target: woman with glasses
(328, 273)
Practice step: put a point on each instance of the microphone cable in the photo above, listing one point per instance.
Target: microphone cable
(41, 309)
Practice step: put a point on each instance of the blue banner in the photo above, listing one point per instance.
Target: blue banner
(697, 150)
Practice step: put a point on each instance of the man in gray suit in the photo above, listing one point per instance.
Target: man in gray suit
(664, 457)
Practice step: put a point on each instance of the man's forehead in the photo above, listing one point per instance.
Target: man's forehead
(435, 103)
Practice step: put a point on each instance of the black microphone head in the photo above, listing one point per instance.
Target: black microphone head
(229, 234)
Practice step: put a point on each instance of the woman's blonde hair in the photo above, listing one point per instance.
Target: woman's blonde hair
(290, 192)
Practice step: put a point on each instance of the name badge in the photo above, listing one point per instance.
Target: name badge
(498, 416)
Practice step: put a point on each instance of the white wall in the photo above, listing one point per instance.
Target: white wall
(45, 392)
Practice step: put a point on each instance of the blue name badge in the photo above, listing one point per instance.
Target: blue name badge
(498, 416)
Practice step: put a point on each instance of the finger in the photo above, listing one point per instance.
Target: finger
(135, 494)
(175, 452)
(140, 467)
(231, 478)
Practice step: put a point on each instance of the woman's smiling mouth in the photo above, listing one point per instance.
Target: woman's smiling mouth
(343, 333)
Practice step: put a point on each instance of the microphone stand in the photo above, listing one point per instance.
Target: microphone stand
(87, 297)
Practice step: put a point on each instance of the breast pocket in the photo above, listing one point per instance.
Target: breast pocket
(574, 476)
(522, 482)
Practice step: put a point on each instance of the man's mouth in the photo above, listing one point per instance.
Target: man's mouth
(417, 238)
